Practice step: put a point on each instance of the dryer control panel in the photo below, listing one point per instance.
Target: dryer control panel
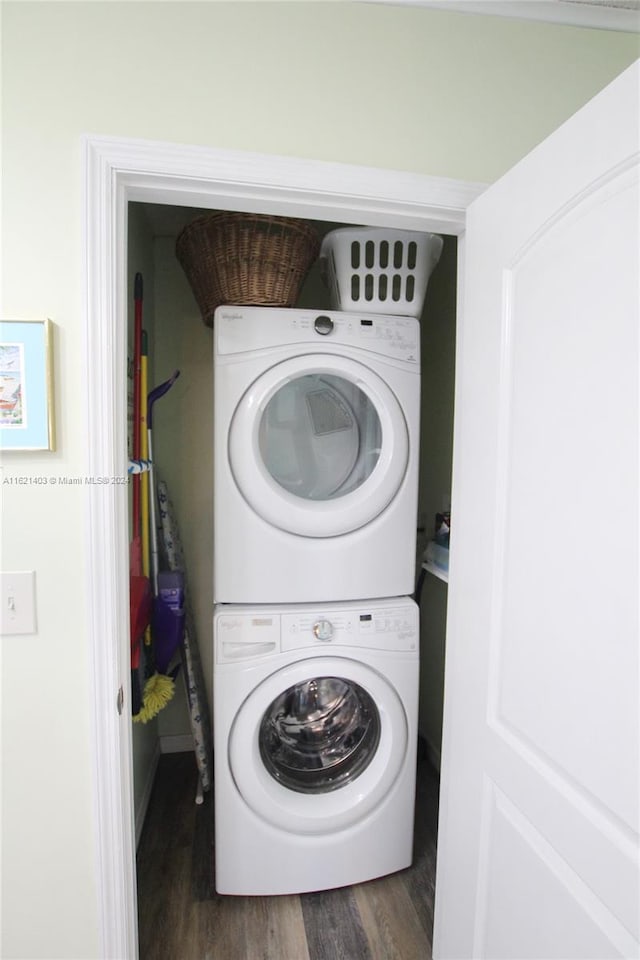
(239, 330)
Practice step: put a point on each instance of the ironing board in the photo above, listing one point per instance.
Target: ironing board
(189, 650)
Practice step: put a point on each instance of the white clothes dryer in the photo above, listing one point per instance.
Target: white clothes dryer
(316, 432)
(315, 731)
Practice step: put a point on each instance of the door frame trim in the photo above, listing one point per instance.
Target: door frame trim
(116, 172)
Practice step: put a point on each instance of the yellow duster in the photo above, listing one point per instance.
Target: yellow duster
(158, 691)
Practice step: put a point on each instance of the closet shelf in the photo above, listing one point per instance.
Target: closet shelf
(436, 560)
(436, 571)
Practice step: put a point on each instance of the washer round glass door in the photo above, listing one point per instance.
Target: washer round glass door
(318, 445)
(318, 735)
(318, 744)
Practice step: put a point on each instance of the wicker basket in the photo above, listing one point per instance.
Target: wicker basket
(246, 259)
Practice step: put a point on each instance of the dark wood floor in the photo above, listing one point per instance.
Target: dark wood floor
(182, 918)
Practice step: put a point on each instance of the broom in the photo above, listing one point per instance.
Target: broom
(159, 688)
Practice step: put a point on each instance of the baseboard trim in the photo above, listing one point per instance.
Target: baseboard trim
(143, 806)
(177, 743)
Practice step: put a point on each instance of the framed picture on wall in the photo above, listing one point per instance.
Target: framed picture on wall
(26, 385)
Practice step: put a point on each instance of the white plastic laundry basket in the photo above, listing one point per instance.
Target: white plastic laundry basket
(375, 270)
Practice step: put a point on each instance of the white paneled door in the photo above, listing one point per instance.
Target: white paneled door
(538, 842)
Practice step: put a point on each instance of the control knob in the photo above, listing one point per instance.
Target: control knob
(323, 325)
(323, 630)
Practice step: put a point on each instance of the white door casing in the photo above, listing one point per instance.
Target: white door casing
(116, 172)
(538, 838)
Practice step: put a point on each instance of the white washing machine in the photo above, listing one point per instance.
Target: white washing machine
(316, 427)
(315, 717)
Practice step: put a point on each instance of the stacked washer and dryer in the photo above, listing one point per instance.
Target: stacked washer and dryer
(316, 448)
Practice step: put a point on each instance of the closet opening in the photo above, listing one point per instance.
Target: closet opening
(179, 912)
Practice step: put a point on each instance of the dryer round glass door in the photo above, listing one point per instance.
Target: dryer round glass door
(320, 436)
(318, 744)
(318, 445)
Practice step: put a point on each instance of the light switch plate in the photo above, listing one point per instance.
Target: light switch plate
(18, 605)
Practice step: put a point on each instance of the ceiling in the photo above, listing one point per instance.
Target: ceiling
(168, 221)
(623, 15)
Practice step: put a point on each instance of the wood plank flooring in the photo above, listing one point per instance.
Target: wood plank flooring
(181, 917)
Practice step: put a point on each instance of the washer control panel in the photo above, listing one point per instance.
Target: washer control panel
(246, 634)
(387, 628)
